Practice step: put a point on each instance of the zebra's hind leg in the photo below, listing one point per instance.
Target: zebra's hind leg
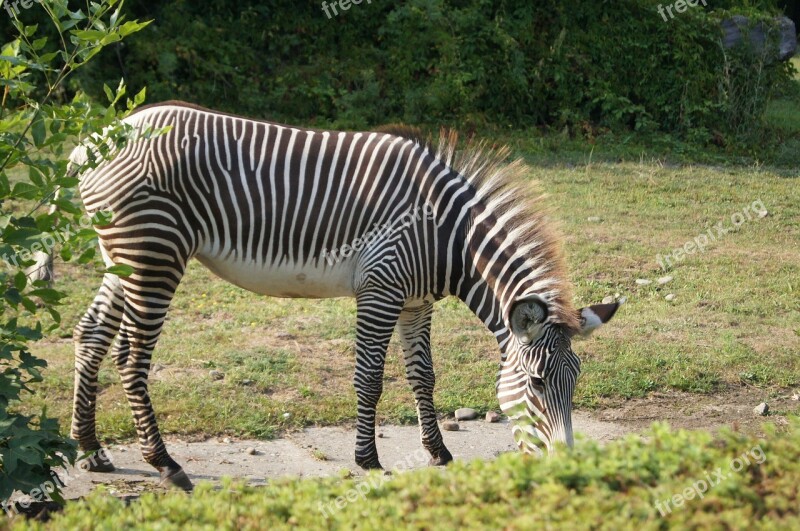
(377, 315)
(93, 336)
(148, 295)
(414, 328)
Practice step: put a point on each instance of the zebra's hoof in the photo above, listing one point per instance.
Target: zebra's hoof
(442, 459)
(98, 462)
(176, 479)
(372, 464)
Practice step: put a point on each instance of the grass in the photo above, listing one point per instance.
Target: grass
(735, 319)
(670, 479)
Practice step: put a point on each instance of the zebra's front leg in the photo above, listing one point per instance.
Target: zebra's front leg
(93, 337)
(377, 317)
(414, 328)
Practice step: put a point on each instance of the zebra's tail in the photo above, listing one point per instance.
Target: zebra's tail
(43, 268)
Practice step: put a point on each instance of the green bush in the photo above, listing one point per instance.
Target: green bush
(35, 130)
(750, 483)
(574, 63)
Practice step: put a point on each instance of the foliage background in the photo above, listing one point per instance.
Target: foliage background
(576, 64)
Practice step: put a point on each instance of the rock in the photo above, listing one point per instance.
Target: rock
(664, 280)
(251, 451)
(782, 39)
(762, 214)
(246, 382)
(492, 416)
(466, 413)
(450, 426)
(761, 410)
(226, 440)
(670, 297)
(156, 368)
(285, 336)
(380, 435)
(608, 300)
(216, 375)
(795, 396)
(643, 281)
(287, 415)
(593, 219)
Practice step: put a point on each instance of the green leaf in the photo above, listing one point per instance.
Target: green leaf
(140, 96)
(109, 94)
(48, 295)
(38, 131)
(89, 35)
(20, 280)
(121, 270)
(38, 44)
(87, 256)
(23, 190)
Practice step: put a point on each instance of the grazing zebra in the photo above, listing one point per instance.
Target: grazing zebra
(292, 212)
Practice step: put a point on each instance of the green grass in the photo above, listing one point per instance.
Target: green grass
(735, 320)
(671, 479)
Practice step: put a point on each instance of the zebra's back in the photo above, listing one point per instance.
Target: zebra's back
(277, 210)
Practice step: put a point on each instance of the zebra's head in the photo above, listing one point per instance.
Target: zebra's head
(537, 378)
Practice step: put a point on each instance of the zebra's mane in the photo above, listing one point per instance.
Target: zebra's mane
(506, 189)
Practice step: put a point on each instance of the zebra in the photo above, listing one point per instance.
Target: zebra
(265, 206)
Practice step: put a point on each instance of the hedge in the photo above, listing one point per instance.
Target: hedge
(668, 479)
(553, 63)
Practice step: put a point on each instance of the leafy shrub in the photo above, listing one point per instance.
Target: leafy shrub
(578, 64)
(35, 129)
(623, 485)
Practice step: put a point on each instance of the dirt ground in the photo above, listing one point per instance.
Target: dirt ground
(326, 451)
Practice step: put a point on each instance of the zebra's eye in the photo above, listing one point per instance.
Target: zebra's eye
(538, 382)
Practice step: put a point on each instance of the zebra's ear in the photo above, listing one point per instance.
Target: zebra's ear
(527, 317)
(593, 317)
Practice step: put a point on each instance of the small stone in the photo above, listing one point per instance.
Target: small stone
(380, 435)
(795, 396)
(762, 214)
(608, 300)
(492, 416)
(643, 281)
(616, 295)
(466, 413)
(670, 297)
(216, 375)
(593, 219)
(285, 336)
(664, 280)
(450, 426)
(251, 451)
(287, 415)
(157, 367)
(761, 410)
(246, 382)
(227, 440)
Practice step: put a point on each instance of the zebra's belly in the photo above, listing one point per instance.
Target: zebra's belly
(286, 280)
